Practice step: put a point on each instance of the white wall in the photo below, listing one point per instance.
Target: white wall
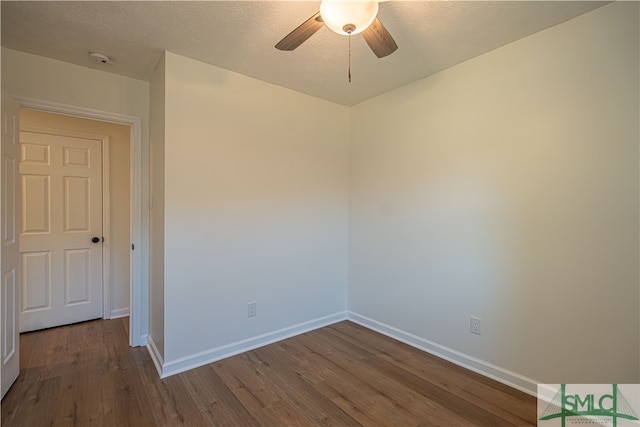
(156, 238)
(43, 79)
(507, 188)
(255, 209)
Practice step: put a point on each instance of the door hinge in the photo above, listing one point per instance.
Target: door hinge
(133, 246)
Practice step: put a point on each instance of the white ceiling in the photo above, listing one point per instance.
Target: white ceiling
(240, 36)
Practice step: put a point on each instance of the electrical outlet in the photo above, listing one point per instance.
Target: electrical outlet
(251, 309)
(475, 323)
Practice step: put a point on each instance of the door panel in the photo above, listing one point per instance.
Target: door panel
(77, 204)
(9, 314)
(36, 278)
(77, 276)
(9, 250)
(61, 212)
(36, 195)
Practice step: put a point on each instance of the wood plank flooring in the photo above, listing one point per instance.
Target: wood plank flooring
(340, 375)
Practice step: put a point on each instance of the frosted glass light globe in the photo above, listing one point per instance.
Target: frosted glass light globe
(340, 13)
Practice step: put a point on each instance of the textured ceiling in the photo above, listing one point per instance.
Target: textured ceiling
(240, 36)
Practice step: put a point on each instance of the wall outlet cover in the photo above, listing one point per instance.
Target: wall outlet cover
(475, 325)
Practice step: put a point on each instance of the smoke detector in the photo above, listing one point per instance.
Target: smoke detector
(101, 58)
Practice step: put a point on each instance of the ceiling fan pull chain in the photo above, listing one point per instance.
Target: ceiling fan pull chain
(349, 57)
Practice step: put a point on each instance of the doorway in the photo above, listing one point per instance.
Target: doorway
(75, 251)
(138, 309)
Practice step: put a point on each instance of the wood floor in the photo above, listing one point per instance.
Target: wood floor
(341, 375)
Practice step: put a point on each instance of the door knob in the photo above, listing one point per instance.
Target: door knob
(95, 239)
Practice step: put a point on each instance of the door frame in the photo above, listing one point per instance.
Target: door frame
(138, 307)
(106, 209)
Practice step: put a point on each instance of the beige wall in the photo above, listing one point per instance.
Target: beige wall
(119, 193)
(41, 78)
(255, 208)
(504, 188)
(507, 188)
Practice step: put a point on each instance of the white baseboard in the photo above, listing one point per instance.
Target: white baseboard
(192, 361)
(121, 312)
(481, 367)
(156, 357)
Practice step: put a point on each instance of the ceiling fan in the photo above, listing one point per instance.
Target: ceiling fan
(346, 17)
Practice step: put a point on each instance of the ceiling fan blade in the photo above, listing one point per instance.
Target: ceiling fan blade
(298, 36)
(379, 39)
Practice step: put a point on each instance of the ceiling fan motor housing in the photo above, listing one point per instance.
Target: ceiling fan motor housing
(373, 32)
(349, 28)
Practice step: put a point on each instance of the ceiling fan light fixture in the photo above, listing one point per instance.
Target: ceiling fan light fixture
(348, 16)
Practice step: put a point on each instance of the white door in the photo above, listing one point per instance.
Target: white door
(61, 234)
(10, 255)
